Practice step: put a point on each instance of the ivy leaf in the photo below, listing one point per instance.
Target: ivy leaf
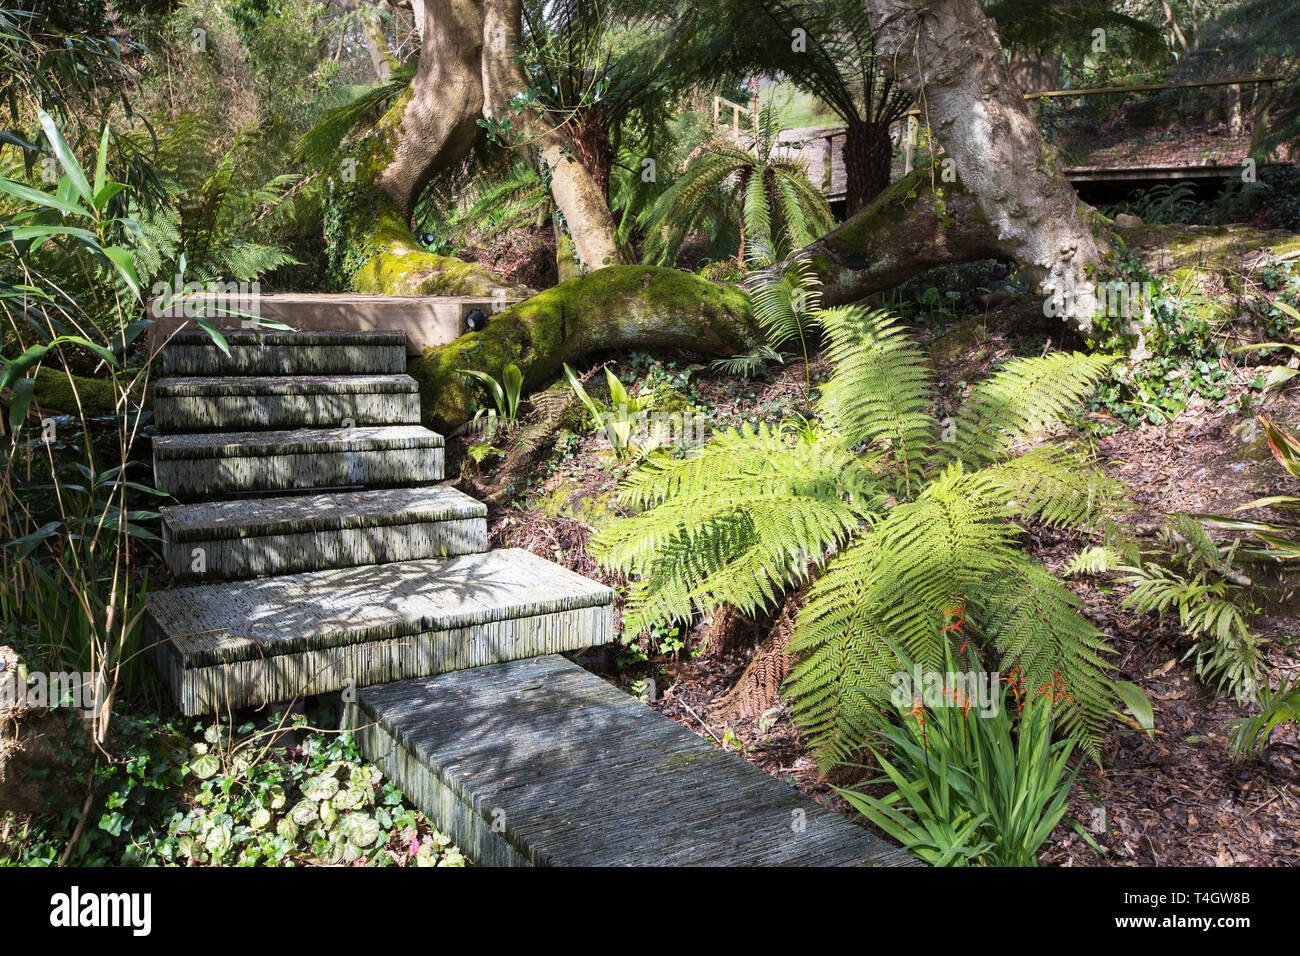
(205, 766)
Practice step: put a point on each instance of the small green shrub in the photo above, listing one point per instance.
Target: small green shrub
(179, 793)
(1196, 580)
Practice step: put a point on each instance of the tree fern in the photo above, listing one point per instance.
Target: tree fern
(770, 196)
(881, 392)
(909, 541)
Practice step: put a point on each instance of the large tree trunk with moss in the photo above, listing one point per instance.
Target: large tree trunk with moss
(435, 122)
(579, 196)
(467, 71)
(429, 128)
(621, 307)
(946, 54)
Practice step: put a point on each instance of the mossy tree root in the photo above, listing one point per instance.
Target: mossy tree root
(918, 223)
(619, 307)
(399, 266)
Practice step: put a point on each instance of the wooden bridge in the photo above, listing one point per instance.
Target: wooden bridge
(822, 148)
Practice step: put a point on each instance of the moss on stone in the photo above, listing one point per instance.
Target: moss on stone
(612, 308)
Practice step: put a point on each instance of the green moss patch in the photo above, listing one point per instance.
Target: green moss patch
(612, 308)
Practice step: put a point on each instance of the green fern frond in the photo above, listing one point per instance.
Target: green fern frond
(881, 389)
(918, 549)
(843, 655)
(1093, 560)
(509, 202)
(783, 300)
(1055, 485)
(1210, 610)
(940, 561)
(1036, 625)
(1027, 395)
(730, 525)
(748, 364)
(940, 549)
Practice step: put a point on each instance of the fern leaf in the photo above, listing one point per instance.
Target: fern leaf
(881, 389)
(844, 659)
(1056, 485)
(1028, 394)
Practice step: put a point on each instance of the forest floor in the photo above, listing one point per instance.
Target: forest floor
(1178, 798)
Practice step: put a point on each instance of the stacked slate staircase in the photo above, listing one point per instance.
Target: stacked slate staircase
(314, 553)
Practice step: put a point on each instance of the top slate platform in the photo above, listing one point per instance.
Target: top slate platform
(286, 353)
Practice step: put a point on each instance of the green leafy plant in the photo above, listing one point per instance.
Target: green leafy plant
(784, 302)
(749, 364)
(1280, 539)
(1276, 707)
(1279, 374)
(970, 788)
(1181, 335)
(505, 393)
(1162, 203)
(899, 520)
(180, 793)
(769, 196)
(1195, 579)
(70, 519)
(619, 418)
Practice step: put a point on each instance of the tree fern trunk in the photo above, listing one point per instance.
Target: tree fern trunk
(592, 146)
(868, 152)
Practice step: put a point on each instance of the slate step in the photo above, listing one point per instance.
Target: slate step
(253, 537)
(255, 352)
(239, 402)
(220, 463)
(249, 643)
(539, 762)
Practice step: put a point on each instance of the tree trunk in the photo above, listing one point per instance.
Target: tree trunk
(372, 34)
(430, 127)
(868, 155)
(947, 56)
(909, 228)
(467, 70)
(591, 144)
(434, 124)
(577, 194)
(1035, 71)
(622, 307)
